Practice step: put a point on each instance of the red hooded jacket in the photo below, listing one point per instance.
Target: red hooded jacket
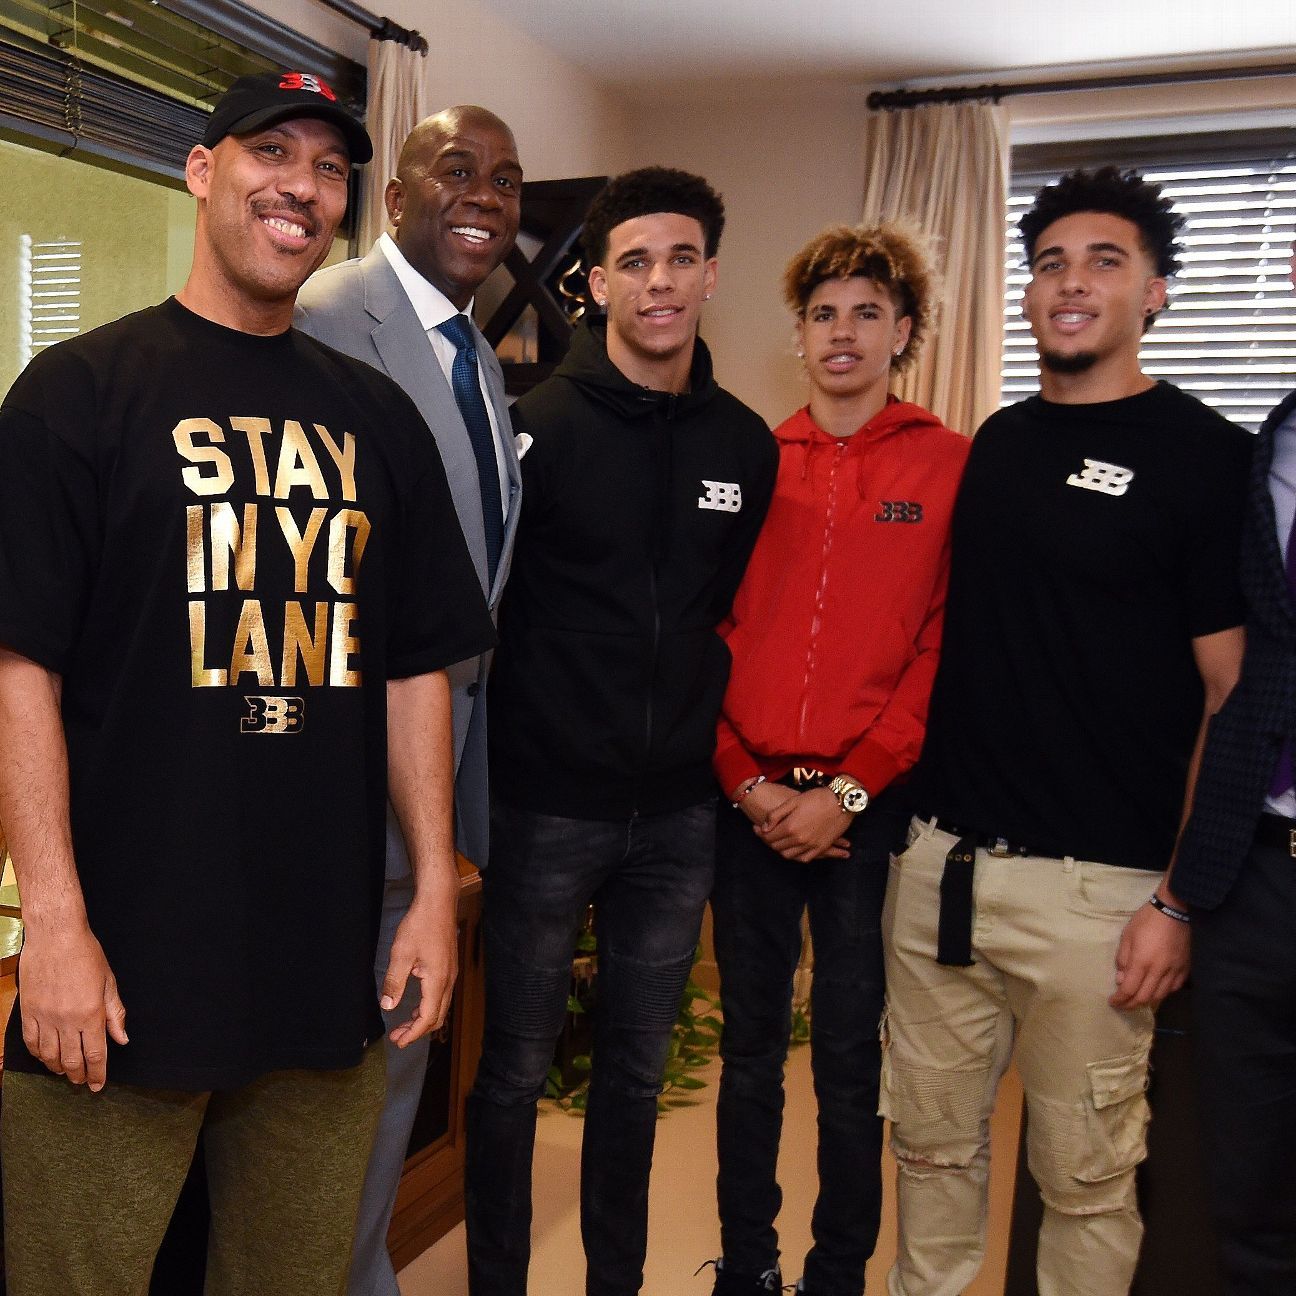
(836, 627)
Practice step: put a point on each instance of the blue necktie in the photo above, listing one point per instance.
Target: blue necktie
(468, 396)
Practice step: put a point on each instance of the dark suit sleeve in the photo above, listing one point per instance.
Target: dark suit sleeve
(1212, 584)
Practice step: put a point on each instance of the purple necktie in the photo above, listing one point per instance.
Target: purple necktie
(1284, 774)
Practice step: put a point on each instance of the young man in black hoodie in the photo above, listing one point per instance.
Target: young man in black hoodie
(646, 485)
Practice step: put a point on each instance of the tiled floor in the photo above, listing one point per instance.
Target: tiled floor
(683, 1230)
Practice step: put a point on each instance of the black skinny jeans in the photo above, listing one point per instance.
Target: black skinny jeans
(757, 905)
(648, 877)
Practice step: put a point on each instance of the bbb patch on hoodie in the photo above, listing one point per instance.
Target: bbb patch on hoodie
(723, 497)
(899, 511)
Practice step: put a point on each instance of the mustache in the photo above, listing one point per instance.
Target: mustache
(285, 206)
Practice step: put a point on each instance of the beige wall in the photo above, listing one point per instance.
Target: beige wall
(787, 165)
(565, 124)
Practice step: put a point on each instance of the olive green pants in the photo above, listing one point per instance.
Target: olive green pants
(90, 1180)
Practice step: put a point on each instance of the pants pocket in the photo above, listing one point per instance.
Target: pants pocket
(1117, 1117)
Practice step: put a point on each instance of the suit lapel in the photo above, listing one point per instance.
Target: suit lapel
(513, 469)
(407, 356)
(1273, 590)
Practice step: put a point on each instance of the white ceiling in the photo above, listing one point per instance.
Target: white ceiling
(643, 44)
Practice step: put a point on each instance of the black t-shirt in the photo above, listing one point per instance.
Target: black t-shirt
(1090, 545)
(226, 545)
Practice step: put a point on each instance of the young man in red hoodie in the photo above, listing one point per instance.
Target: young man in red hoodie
(834, 636)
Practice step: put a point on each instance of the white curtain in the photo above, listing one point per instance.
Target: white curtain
(398, 101)
(944, 167)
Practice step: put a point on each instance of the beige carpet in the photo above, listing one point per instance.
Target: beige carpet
(683, 1230)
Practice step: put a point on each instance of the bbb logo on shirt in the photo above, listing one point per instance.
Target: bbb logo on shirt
(1105, 478)
(721, 497)
(898, 511)
(268, 714)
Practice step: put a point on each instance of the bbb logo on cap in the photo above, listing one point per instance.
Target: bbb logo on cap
(305, 81)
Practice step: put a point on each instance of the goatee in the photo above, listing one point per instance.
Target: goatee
(1075, 363)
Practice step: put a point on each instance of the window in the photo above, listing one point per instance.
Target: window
(1229, 334)
(129, 82)
(49, 305)
(121, 85)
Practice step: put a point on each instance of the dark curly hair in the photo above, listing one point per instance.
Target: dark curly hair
(1118, 193)
(645, 191)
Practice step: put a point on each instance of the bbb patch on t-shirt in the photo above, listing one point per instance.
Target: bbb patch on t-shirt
(1105, 478)
(722, 497)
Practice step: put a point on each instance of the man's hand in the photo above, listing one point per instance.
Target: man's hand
(1151, 959)
(426, 947)
(810, 825)
(763, 800)
(68, 1000)
(420, 782)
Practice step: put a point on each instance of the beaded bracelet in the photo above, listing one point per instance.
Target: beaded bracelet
(755, 783)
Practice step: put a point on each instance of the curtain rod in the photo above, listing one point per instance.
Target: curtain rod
(881, 99)
(379, 28)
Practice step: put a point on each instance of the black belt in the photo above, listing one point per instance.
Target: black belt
(1276, 830)
(992, 843)
(954, 923)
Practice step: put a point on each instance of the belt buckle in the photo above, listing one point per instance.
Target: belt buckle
(1000, 848)
(805, 776)
(1291, 842)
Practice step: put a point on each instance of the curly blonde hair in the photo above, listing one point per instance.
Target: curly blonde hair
(892, 254)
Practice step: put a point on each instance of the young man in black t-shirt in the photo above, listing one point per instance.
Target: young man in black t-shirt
(230, 579)
(1092, 627)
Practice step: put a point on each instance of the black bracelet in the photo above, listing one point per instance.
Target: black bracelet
(1179, 915)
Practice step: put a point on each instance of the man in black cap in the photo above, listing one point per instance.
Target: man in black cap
(218, 656)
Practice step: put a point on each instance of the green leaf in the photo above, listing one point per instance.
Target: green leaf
(574, 1005)
(690, 1082)
(582, 1062)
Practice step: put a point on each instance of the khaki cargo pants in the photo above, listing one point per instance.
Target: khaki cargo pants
(1044, 940)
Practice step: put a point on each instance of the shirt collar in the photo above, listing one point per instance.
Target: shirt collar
(430, 304)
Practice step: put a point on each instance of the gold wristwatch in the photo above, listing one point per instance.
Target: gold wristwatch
(850, 795)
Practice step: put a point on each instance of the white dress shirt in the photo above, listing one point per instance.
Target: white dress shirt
(1282, 486)
(433, 307)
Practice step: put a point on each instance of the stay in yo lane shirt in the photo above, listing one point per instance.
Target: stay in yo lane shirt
(226, 545)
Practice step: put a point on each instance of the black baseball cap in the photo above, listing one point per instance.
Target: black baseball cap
(265, 98)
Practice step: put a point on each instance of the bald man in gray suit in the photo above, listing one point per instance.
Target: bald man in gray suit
(405, 308)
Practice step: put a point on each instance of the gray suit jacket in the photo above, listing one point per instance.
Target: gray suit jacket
(360, 308)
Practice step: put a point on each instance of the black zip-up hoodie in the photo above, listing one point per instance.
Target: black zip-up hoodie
(640, 510)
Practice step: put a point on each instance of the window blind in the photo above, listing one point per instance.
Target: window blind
(1229, 333)
(49, 294)
(130, 82)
